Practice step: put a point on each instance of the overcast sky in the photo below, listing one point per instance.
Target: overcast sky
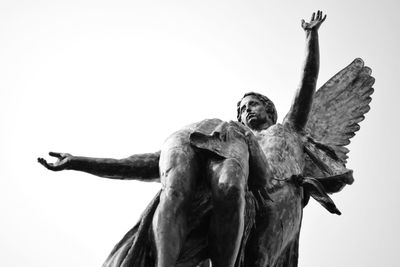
(115, 78)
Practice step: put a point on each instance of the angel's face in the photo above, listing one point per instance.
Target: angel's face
(253, 113)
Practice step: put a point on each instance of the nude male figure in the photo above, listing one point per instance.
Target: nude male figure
(181, 167)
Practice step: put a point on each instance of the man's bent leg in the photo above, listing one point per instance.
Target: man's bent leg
(229, 181)
(178, 166)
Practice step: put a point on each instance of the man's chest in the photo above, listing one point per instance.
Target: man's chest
(283, 150)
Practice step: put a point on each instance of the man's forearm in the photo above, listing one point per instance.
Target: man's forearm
(142, 167)
(301, 106)
(311, 64)
(303, 99)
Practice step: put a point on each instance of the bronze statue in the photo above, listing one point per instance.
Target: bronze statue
(234, 192)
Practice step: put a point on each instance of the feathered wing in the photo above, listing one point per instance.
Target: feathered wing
(339, 105)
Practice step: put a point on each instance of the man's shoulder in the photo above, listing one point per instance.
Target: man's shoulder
(279, 130)
(274, 128)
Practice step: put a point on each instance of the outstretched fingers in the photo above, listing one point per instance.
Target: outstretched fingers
(320, 17)
(316, 20)
(55, 154)
(45, 164)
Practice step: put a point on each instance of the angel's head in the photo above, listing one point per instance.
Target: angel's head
(256, 111)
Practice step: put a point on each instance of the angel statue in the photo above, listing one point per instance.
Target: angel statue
(234, 192)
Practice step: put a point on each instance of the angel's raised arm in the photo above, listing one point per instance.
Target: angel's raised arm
(302, 102)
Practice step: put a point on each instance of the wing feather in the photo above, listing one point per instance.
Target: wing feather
(339, 106)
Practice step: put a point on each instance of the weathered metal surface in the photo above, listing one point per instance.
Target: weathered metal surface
(235, 193)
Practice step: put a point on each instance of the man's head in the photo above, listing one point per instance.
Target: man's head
(256, 111)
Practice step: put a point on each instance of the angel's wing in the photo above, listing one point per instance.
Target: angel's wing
(339, 105)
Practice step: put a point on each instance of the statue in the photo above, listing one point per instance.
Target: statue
(234, 192)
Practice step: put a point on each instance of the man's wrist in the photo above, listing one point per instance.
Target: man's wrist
(73, 163)
(311, 32)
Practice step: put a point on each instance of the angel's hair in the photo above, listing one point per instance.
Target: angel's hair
(268, 104)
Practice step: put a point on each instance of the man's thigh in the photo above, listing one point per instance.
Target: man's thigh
(179, 163)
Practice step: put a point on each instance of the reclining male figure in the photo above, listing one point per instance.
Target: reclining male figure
(245, 147)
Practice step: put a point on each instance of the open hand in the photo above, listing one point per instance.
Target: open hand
(63, 160)
(315, 22)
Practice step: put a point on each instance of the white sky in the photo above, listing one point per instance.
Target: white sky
(115, 78)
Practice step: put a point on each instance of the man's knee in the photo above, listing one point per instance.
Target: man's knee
(232, 174)
(229, 192)
(228, 180)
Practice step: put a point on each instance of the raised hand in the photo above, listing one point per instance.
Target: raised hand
(315, 22)
(63, 160)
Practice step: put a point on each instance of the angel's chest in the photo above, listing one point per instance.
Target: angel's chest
(283, 150)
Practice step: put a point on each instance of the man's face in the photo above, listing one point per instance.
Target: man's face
(253, 113)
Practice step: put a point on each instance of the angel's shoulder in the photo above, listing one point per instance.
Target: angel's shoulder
(278, 131)
(273, 130)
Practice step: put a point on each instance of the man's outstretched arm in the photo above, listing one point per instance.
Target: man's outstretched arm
(143, 167)
(302, 102)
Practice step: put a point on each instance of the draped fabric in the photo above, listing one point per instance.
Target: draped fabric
(137, 248)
